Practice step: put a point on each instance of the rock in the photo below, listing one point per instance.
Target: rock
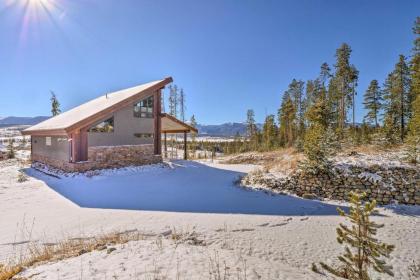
(110, 250)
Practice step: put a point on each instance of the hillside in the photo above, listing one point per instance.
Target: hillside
(21, 120)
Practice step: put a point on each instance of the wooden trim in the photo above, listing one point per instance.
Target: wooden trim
(175, 131)
(188, 127)
(55, 132)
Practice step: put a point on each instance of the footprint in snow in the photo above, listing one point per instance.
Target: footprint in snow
(279, 225)
(243, 229)
(264, 225)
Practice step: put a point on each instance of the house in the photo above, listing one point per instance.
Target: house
(114, 130)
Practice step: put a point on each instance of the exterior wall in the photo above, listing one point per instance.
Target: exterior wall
(106, 157)
(104, 150)
(125, 125)
(59, 149)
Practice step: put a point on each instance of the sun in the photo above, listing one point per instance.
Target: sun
(39, 3)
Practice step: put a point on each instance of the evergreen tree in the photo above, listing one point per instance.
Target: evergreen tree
(413, 138)
(318, 112)
(193, 123)
(11, 149)
(251, 129)
(320, 145)
(296, 93)
(287, 116)
(269, 132)
(345, 79)
(398, 97)
(367, 250)
(354, 76)
(373, 102)
(325, 74)
(182, 106)
(55, 105)
(173, 101)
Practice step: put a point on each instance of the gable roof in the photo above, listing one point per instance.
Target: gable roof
(93, 110)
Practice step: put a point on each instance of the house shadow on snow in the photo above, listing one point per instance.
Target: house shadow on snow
(186, 187)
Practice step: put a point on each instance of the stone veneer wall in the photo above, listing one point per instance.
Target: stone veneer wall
(385, 185)
(101, 157)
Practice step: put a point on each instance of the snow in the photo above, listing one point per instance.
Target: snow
(371, 177)
(265, 236)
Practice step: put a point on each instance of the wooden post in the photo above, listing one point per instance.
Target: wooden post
(165, 145)
(157, 122)
(185, 145)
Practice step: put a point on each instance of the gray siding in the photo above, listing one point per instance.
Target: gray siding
(59, 150)
(125, 125)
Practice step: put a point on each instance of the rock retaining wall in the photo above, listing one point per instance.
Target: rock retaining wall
(101, 157)
(384, 184)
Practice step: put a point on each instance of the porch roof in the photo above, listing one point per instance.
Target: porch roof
(171, 124)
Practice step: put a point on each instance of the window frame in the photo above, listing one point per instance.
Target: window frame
(145, 108)
(94, 128)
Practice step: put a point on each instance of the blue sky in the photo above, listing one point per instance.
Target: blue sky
(227, 55)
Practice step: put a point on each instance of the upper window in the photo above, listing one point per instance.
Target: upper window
(48, 141)
(105, 126)
(144, 108)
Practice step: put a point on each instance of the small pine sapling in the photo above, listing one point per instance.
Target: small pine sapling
(362, 250)
(11, 149)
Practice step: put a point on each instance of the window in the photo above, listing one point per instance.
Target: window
(48, 141)
(105, 126)
(143, 135)
(144, 108)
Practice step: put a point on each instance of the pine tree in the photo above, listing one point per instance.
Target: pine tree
(297, 96)
(251, 128)
(287, 117)
(193, 123)
(55, 105)
(345, 80)
(398, 98)
(173, 101)
(354, 76)
(373, 102)
(11, 149)
(320, 145)
(318, 112)
(413, 137)
(367, 250)
(182, 106)
(269, 132)
(325, 74)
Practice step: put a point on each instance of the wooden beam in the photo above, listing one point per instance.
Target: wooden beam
(157, 122)
(185, 146)
(166, 146)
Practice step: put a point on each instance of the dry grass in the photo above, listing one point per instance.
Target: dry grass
(370, 149)
(281, 161)
(72, 247)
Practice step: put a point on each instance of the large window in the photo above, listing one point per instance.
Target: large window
(144, 108)
(105, 126)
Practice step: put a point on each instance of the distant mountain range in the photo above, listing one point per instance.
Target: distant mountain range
(9, 121)
(221, 130)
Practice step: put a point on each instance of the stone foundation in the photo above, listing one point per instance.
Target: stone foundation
(102, 157)
(385, 185)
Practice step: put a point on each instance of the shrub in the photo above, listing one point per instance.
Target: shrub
(367, 250)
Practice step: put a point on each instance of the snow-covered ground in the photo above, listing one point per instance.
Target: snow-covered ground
(247, 234)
